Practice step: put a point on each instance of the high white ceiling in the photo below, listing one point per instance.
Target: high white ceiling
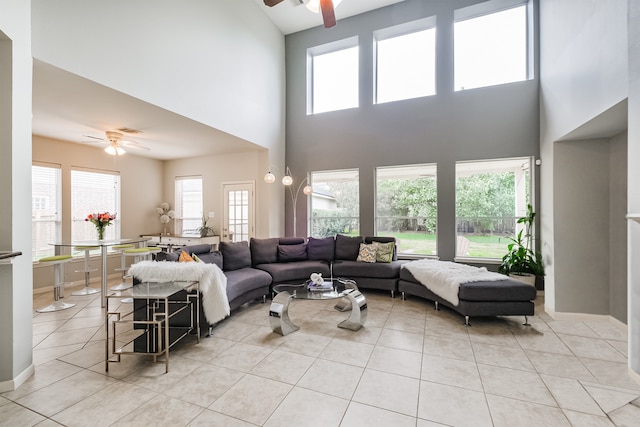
(70, 108)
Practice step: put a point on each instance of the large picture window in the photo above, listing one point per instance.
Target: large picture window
(406, 61)
(335, 203)
(333, 76)
(94, 192)
(490, 197)
(490, 49)
(188, 192)
(46, 225)
(406, 207)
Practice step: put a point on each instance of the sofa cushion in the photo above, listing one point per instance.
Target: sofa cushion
(384, 239)
(384, 252)
(295, 272)
(288, 253)
(264, 251)
(367, 252)
(235, 255)
(321, 249)
(243, 280)
(291, 240)
(347, 247)
(355, 269)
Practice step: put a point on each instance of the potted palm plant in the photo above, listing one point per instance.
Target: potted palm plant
(521, 261)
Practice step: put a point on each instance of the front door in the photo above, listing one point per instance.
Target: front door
(239, 210)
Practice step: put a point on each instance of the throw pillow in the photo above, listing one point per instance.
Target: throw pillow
(287, 253)
(320, 249)
(235, 255)
(264, 251)
(384, 253)
(367, 252)
(347, 247)
(196, 258)
(185, 257)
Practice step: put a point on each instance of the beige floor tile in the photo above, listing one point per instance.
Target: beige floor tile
(332, 378)
(203, 351)
(91, 354)
(401, 340)
(572, 327)
(82, 322)
(446, 325)
(204, 385)
(352, 353)
(453, 372)
(497, 333)
(375, 318)
(441, 403)
(319, 410)
(506, 357)
(44, 375)
(210, 418)
(425, 423)
(47, 327)
(527, 386)
(459, 349)
(547, 342)
(388, 391)
(304, 343)
(395, 361)
(359, 415)
(404, 323)
(510, 412)
(367, 334)
(628, 415)
(12, 415)
(48, 354)
(579, 419)
(264, 337)
(559, 365)
(233, 330)
(161, 410)
(241, 357)
(571, 395)
(62, 394)
(609, 398)
(106, 406)
(621, 346)
(409, 308)
(153, 376)
(610, 373)
(283, 366)
(608, 330)
(62, 338)
(592, 348)
(252, 399)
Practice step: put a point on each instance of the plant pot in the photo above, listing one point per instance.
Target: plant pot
(527, 278)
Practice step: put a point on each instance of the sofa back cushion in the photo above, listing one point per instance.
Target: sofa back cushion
(235, 255)
(264, 251)
(291, 240)
(321, 249)
(347, 247)
(288, 253)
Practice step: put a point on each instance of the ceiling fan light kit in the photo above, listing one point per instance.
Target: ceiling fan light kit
(327, 7)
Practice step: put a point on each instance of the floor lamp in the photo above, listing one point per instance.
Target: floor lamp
(287, 181)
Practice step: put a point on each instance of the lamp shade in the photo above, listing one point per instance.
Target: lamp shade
(307, 190)
(287, 180)
(269, 178)
(114, 150)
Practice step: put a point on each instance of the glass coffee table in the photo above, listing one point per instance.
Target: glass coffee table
(345, 290)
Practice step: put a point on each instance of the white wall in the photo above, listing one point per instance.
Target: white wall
(583, 73)
(218, 62)
(15, 193)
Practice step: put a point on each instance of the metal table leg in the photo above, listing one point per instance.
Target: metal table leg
(358, 315)
(279, 314)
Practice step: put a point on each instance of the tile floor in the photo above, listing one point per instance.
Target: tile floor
(410, 366)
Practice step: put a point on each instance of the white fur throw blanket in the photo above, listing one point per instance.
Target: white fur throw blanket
(213, 282)
(444, 278)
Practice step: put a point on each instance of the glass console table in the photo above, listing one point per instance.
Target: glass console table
(155, 336)
(344, 289)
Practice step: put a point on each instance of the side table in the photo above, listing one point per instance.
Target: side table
(156, 336)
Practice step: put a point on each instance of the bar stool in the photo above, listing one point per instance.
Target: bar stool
(123, 267)
(86, 270)
(58, 262)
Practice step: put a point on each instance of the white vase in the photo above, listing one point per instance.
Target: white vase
(527, 278)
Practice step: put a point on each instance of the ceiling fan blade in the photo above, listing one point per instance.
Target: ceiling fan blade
(133, 144)
(328, 14)
(272, 3)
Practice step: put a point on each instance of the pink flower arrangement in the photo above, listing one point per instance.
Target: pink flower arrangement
(100, 220)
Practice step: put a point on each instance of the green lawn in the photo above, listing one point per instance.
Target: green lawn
(421, 243)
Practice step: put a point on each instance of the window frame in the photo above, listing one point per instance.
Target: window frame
(492, 7)
(397, 31)
(179, 219)
(325, 49)
(57, 221)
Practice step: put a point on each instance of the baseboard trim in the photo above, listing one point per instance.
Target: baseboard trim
(13, 384)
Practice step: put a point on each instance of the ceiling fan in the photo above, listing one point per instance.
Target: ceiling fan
(326, 6)
(115, 143)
